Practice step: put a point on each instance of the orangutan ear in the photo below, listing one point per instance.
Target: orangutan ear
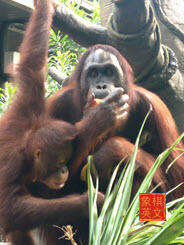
(37, 164)
(37, 155)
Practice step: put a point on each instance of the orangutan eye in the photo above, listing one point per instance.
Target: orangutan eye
(109, 72)
(61, 162)
(93, 73)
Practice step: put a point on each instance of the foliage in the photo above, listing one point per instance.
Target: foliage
(51, 87)
(63, 51)
(96, 13)
(6, 96)
(63, 54)
(118, 222)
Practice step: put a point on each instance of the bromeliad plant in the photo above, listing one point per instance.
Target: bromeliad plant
(118, 223)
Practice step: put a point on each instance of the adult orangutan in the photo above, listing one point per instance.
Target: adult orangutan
(36, 150)
(100, 72)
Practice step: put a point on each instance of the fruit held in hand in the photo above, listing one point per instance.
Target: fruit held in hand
(96, 102)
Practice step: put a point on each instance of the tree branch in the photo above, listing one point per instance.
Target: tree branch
(56, 74)
(81, 31)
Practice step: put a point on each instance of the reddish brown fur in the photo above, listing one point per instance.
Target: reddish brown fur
(25, 127)
(67, 105)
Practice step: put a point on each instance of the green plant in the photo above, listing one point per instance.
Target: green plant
(63, 51)
(118, 223)
(6, 96)
(95, 16)
(51, 87)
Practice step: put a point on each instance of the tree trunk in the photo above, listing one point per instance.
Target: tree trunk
(106, 10)
(170, 87)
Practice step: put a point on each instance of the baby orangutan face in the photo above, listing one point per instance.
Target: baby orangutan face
(53, 174)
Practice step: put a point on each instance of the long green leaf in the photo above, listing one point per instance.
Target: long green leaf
(129, 217)
(108, 204)
(92, 207)
(117, 238)
(169, 233)
(112, 209)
